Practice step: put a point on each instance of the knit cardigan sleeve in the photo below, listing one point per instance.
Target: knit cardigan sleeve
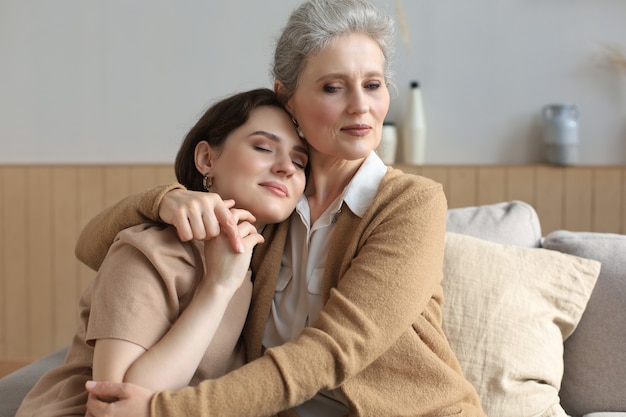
(380, 277)
(98, 235)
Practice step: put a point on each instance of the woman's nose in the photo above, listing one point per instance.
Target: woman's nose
(358, 103)
(284, 165)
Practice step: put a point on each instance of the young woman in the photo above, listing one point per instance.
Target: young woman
(345, 318)
(166, 314)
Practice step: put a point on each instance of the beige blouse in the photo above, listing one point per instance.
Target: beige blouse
(147, 279)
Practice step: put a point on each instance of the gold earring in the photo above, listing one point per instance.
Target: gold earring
(298, 130)
(207, 182)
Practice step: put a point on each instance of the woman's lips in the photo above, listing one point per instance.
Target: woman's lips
(357, 129)
(276, 188)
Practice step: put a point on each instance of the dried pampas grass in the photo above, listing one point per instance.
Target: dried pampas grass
(615, 55)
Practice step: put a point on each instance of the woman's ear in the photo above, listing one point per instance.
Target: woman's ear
(278, 87)
(203, 157)
(281, 93)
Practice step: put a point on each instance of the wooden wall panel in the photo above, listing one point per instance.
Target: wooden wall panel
(578, 199)
(520, 184)
(117, 181)
(439, 174)
(608, 201)
(549, 197)
(491, 185)
(623, 202)
(66, 228)
(39, 233)
(3, 263)
(90, 202)
(43, 208)
(461, 189)
(14, 270)
(165, 174)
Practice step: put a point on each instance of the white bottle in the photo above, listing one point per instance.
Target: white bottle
(386, 150)
(414, 129)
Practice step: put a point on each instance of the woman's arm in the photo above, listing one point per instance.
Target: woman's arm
(380, 291)
(196, 215)
(174, 359)
(97, 236)
(172, 362)
(384, 279)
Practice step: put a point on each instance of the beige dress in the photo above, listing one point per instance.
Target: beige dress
(147, 279)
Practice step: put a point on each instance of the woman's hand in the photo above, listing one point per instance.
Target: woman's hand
(109, 399)
(198, 215)
(224, 267)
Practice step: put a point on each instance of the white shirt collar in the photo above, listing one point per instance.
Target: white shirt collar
(358, 194)
(362, 189)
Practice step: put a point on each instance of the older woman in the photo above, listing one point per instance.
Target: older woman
(345, 316)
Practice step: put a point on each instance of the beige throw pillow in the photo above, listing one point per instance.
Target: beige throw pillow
(506, 312)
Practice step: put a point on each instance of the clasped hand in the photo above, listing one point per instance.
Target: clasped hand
(201, 216)
(108, 399)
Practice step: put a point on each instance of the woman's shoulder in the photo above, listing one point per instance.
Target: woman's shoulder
(411, 199)
(149, 232)
(398, 181)
(156, 240)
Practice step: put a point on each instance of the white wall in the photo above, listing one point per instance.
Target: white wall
(122, 81)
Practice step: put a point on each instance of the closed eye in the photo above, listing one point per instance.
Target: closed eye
(331, 89)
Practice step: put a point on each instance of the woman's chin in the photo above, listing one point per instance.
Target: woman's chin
(269, 216)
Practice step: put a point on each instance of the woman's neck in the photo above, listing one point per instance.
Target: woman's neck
(328, 179)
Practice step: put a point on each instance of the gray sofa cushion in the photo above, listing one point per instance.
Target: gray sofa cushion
(16, 385)
(595, 354)
(512, 222)
(607, 414)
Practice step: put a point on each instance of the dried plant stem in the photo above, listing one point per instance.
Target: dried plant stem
(404, 28)
(616, 55)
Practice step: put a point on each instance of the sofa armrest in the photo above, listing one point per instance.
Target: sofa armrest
(16, 385)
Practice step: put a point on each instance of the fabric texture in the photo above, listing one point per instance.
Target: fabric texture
(507, 311)
(146, 281)
(607, 414)
(592, 385)
(15, 386)
(510, 222)
(387, 358)
(106, 225)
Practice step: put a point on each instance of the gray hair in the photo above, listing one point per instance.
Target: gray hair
(316, 23)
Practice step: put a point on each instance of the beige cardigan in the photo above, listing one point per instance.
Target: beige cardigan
(378, 338)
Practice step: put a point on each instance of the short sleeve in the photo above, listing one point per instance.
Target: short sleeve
(145, 281)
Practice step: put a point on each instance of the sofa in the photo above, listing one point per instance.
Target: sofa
(537, 322)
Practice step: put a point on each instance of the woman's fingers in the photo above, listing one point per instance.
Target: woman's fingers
(227, 220)
(202, 216)
(109, 399)
(249, 235)
(242, 215)
(107, 392)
